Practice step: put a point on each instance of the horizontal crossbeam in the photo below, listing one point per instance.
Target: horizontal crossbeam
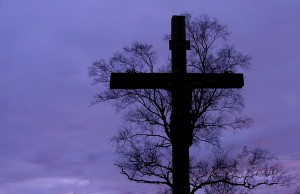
(166, 80)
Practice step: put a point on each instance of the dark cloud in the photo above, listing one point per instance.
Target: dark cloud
(51, 141)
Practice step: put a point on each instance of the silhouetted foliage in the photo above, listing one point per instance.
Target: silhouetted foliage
(143, 145)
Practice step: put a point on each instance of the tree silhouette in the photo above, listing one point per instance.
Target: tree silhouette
(143, 146)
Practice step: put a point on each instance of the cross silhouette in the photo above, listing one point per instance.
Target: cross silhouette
(181, 84)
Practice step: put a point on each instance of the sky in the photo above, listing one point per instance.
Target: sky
(53, 142)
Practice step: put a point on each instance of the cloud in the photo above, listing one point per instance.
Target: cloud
(51, 142)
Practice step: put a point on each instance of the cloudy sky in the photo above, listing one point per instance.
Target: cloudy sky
(53, 142)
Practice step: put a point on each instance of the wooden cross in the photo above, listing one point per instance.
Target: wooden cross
(181, 84)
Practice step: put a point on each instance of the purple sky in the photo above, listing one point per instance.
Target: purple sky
(52, 142)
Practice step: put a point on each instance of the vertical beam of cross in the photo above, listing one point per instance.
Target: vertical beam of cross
(181, 103)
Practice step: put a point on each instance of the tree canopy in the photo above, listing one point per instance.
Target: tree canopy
(144, 145)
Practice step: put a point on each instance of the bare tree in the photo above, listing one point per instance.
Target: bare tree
(144, 144)
(225, 173)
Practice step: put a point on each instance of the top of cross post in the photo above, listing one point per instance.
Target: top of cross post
(178, 34)
(178, 28)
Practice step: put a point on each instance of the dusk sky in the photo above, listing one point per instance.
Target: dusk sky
(53, 142)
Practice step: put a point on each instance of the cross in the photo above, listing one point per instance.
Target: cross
(181, 84)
